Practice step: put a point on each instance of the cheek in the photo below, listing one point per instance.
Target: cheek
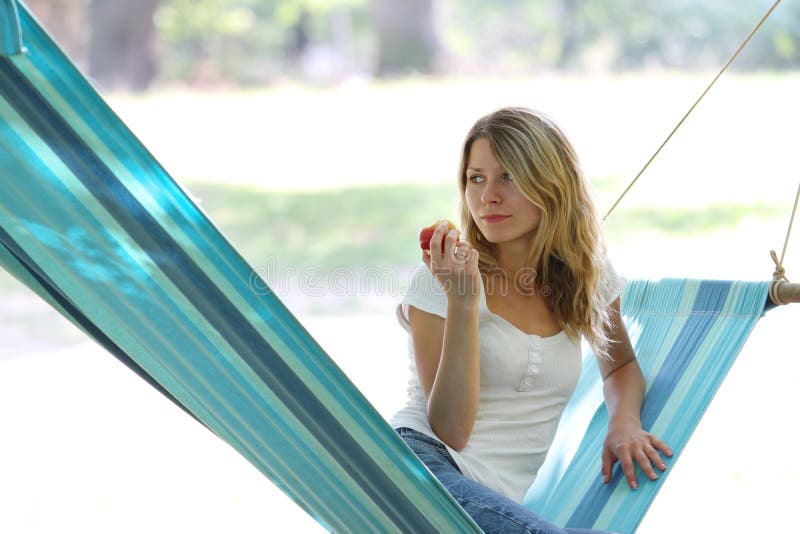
(532, 213)
(472, 200)
(536, 216)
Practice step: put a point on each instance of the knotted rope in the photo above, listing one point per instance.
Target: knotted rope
(779, 276)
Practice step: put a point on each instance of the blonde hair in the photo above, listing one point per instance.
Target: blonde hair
(568, 254)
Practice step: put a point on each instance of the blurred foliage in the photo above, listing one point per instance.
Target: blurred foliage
(325, 41)
(256, 40)
(622, 34)
(246, 41)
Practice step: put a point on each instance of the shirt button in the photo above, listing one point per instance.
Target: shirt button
(528, 381)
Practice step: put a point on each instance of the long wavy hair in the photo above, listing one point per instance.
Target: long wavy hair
(568, 254)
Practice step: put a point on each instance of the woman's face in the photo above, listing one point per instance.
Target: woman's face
(502, 213)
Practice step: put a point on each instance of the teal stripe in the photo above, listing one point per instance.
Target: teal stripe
(10, 33)
(215, 379)
(63, 90)
(693, 394)
(218, 311)
(24, 268)
(653, 312)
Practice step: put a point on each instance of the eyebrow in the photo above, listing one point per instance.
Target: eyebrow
(478, 169)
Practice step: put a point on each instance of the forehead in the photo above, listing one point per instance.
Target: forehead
(481, 155)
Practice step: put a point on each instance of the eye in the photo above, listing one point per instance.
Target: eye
(507, 177)
(475, 178)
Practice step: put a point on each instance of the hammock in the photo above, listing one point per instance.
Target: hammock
(95, 226)
(686, 334)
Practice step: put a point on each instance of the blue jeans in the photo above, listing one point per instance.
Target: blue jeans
(493, 512)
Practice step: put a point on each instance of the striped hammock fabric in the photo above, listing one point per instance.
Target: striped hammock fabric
(686, 334)
(95, 226)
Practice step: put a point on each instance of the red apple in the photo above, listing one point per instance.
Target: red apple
(426, 233)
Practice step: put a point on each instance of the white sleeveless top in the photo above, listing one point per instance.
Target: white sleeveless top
(525, 382)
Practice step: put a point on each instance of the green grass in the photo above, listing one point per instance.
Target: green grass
(352, 227)
(378, 225)
(689, 222)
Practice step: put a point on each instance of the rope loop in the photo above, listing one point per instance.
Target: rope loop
(780, 272)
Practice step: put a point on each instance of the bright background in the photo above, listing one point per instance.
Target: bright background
(338, 177)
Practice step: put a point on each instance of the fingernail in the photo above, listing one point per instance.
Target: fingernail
(653, 476)
(662, 466)
(634, 484)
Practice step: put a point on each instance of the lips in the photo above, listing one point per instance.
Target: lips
(495, 218)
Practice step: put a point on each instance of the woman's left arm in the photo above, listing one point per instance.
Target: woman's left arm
(623, 388)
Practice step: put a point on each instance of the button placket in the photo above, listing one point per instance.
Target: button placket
(534, 359)
(533, 365)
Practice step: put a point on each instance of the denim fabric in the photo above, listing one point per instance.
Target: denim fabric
(493, 512)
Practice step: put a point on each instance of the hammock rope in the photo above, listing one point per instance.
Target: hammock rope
(779, 276)
(686, 115)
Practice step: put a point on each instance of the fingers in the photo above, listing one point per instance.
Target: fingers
(654, 457)
(463, 253)
(623, 454)
(643, 453)
(661, 446)
(626, 461)
(447, 245)
(454, 263)
(642, 458)
(608, 464)
(442, 241)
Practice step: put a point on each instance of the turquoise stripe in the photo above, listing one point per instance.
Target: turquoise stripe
(136, 223)
(13, 258)
(692, 395)
(72, 153)
(10, 32)
(654, 311)
(63, 90)
(200, 291)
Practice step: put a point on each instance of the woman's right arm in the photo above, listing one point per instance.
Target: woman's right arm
(446, 350)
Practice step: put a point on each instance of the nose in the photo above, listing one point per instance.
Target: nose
(491, 193)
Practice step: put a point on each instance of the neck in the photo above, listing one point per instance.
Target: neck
(513, 258)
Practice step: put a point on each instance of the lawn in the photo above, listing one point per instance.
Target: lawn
(365, 226)
(345, 176)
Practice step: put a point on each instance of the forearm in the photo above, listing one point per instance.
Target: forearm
(453, 401)
(624, 392)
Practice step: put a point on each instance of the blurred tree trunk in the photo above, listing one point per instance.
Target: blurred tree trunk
(409, 35)
(121, 45)
(571, 33)
(65, 21)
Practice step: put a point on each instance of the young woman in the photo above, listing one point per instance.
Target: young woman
(495, 322)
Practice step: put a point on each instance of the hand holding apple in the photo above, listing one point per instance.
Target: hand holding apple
(426, 234)
(456, 268)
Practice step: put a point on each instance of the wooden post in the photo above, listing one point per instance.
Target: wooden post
(781, 292)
